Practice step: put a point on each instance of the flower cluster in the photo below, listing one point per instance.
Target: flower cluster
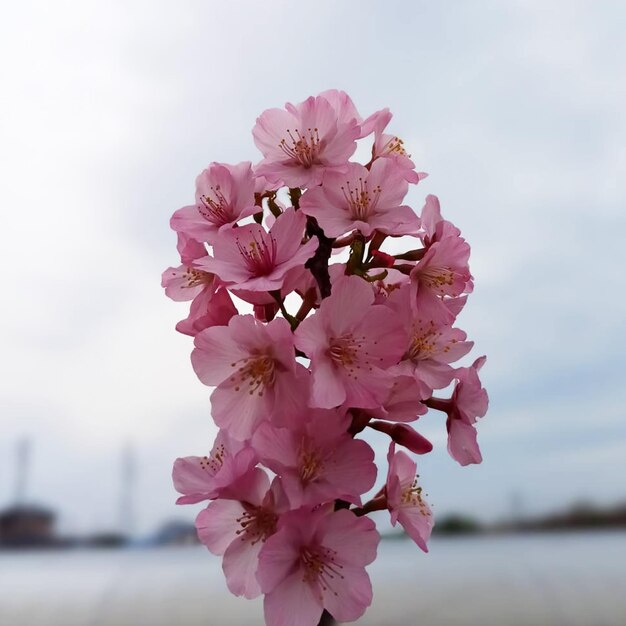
(342, 333)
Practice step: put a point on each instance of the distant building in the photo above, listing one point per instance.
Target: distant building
(24, 526)
(176, 533)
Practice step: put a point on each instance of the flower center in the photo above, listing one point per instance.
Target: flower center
(395, 146)
(194, 277)
(304, 148)
(215, 209)
(259, 256)
(257, 524)
(213, 464)
(412, 497)
(258, 372)
(349, 352)
(438, 278)
(423, 342)
(361, 201)
(320, 566)
(311, 464)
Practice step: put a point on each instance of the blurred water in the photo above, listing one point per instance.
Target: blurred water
(538, 580)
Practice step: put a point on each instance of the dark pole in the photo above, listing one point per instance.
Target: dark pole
(21, 470)
(126, 491)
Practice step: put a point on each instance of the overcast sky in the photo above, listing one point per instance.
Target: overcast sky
(110, 110)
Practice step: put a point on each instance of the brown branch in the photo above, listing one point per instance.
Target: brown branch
(318, 263)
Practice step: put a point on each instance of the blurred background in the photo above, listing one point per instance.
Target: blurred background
(110, 110)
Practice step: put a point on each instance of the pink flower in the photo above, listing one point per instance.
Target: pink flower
(442, 272)
(469, 401)
(316, 560)
(405, 500)
(362, 200)
(211, 305)
(346, 111)
(208, 310)
(189, 249)
(186, 282)
(403, 402)
(392, 148)
(293, 279)
(255, 260)
(432, 344)
(255, 370)
(317, 460)
(238, 528)
(224, 195)
(351, 343)
(207, 477)
(300, 143)
(435, 227)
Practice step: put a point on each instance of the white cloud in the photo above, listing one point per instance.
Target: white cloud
(515, 110)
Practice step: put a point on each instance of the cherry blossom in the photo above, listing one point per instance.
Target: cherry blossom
(405, 498)
(208, 477)
(254, 368)
(224, 195)
(317, 461)
(363, 200)
(316, 560)
(252, 259)
(300, 143)
(238, 527)
(324, 312)
(351, 342)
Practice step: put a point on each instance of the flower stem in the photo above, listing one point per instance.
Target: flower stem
(440, 404)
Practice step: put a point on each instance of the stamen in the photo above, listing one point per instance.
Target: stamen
(361, 202)
(311, 465)
(412, 497)
(424, 341)
(349, 353)
(304, 148)
(194, 277)
(395, 146)
(258, 372)
(320, 567)
(438, 277)
(217, 209)
(257, 524)
(213, 464)
(259, 256)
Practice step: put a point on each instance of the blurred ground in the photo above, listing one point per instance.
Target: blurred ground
(534, 580)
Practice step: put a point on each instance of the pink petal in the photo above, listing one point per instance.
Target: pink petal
(350, 300)
(217, 524)
(241, 561)
(327, 390)
(355, 539)
(351, 470)
(462, 444)
(276, 447)
(239, 411)
(279, 556)
(215, 355)
(292, 603)
(349, 595)
(417, 524)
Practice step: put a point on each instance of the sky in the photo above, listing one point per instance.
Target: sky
(110, 110)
